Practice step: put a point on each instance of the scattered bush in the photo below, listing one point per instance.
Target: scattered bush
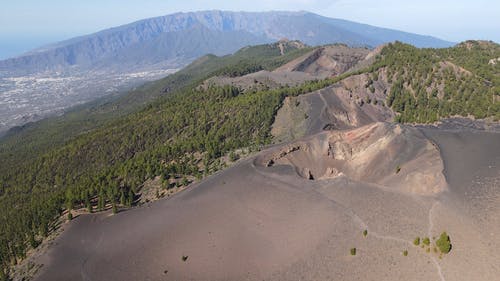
(365, 232)
(405, 253)
(184, 258)
(353, 251)
(444, 243)
(70, 216)
(426, 241)
(233, 156)
(416, 242)
(398, 169)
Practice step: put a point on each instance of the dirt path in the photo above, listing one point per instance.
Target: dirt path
(429, 233)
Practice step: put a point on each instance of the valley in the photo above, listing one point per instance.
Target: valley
(27, 99)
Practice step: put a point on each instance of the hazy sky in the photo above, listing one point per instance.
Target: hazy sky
(26, 24)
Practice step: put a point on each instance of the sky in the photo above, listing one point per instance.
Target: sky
(27, 24)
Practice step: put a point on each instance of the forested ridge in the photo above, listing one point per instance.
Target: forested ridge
(186, 132)
(107, 165)
(429, 84)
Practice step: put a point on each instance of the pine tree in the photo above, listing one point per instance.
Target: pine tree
(122, 198)
(130, 198)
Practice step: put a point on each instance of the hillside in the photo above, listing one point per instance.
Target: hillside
(49, 80)
(191, 132)
(47, 134)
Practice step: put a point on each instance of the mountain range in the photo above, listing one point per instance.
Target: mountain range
(173, 40)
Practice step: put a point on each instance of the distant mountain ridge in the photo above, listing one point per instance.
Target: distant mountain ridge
(172, 41)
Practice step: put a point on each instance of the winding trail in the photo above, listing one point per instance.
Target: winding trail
(362, 225)
(324, 110)
(429, 233)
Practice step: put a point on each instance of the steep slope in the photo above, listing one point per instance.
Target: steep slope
(49, 80)
(407, 85)
(319, 63)
(327, 61)
(253, 222)
(21, 143)
(382, 35)
(192, 133)
(149, 42)
(373, 153)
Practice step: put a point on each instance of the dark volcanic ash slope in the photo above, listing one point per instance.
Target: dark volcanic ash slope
(327, 61)
(347, 104)
(320, 63)
(296, 209)
(386, 154)
(266, 222)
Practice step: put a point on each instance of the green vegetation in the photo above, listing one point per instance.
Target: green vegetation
(353, 251)
(26, 142)
(233, 156)
(263, 57)
(429, 84)
(416, 242)
(405, 253)
(170, 138)
(444, 243)
(184, 258)
(365, 232)
(426, 241)
(398, 169)
(100, 155)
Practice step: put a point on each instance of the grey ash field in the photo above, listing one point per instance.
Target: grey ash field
(256, 221)
(341, 175)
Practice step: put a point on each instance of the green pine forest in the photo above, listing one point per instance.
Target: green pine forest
(101, 154)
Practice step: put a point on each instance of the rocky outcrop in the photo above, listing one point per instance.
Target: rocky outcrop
(327, 61)
(393, 156)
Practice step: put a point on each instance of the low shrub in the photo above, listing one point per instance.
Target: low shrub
(416, 242)
(353, 251)
(426, 241)
(444, 243)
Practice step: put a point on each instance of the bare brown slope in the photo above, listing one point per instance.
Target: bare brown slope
(252, 222)
(386, 154)
(327, 61)
(350, 103)
(320, 63)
